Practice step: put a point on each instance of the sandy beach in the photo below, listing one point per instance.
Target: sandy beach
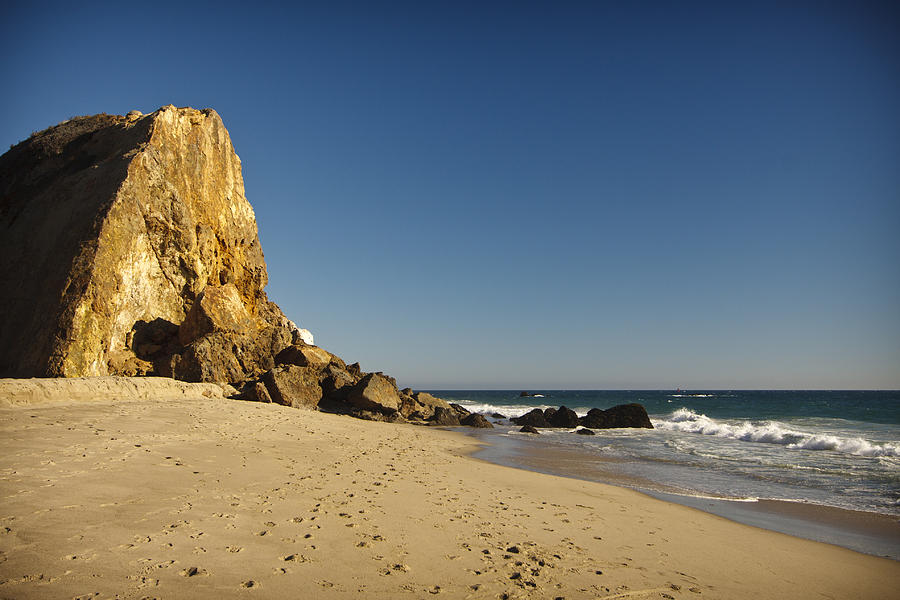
(186, 494)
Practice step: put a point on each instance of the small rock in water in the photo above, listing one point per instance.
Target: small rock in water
(585, 431)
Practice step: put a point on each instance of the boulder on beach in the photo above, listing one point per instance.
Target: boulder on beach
(375, 391)
(529, 429)
(292, 385)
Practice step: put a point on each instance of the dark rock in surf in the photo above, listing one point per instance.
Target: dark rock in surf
(460, 411)
(623, 415)
(585, 431)
(529, 429)
(563, 417)
(533, 418)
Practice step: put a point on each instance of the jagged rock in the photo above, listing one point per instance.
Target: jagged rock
(355, 370)
(304, 356)
(529, 429)
(108, 223)
(446, 417)
(623, 415)
(425, 404)
(584, 431)
(549, 412)
(534, 418)
(497, 416)
(460, 411)
(292, 385)
(476, 420)
(563, 417)
(375, 391)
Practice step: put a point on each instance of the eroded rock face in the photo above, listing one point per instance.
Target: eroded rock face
(110, 223)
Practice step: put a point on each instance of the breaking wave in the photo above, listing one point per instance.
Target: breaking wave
(773, 432)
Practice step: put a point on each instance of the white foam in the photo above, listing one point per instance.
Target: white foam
(773, 432)
(509, 410)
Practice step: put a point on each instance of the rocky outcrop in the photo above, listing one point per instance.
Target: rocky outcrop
(129, 248)
(623, 415)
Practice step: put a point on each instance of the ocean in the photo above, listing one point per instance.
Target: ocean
(837, 449)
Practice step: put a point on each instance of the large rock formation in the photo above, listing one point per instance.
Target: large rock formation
(127, 247)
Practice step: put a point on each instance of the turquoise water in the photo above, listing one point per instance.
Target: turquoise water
(833, 448)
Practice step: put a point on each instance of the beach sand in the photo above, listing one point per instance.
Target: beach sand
(190, 495)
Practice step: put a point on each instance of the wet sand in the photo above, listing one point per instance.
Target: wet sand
(203, 497)
(867, 532)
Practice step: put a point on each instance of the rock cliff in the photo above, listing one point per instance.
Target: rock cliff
(127, 247)
(112, 230)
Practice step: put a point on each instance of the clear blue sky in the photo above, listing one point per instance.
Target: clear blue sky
(535, 195)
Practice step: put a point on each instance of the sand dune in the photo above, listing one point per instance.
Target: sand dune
(186, 495)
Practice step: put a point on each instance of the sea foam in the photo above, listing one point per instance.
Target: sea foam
(772, 432)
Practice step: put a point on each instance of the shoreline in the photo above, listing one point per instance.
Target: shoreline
(876, 534)
(205, 497)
